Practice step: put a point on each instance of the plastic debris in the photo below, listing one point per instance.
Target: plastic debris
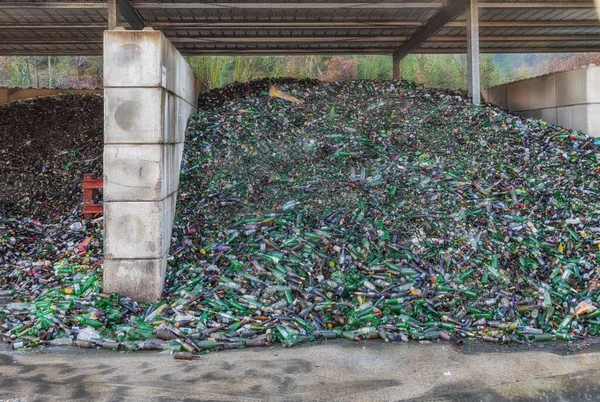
(275, 92)
(371, 210)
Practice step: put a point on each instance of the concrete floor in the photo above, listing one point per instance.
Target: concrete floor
(333, 371)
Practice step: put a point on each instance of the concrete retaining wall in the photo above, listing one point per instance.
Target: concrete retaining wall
(13, 94)
(150, 91)
(570, 98)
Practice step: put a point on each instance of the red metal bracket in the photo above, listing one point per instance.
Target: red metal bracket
(90, 189)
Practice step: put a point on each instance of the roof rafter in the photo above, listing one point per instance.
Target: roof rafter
(379, 51)
(294, 5)
(519, 38)
(315, 25)
(55, 5)
(288, 5)
(451, 11)
(286, 40)
(388, 51)
(130, 15)
(537, 4)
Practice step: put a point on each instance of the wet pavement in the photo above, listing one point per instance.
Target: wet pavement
(330, 371)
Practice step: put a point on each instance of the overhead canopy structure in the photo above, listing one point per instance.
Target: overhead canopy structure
(39, 27)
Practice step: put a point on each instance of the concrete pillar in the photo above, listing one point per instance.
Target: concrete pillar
(593, 98)
(473, 52)
(149, 93)
(396, 68)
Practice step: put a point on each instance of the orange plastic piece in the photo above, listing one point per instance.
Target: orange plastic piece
(90, 189)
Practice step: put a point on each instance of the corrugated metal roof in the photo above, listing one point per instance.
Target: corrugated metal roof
(38, 27)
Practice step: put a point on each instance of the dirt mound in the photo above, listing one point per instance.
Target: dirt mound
(46, 145)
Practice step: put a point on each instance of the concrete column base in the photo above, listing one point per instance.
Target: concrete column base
(142, 280)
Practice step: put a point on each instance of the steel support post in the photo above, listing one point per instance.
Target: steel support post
(396, 68)
(473, 52)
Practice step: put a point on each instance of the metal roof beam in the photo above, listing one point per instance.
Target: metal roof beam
(252, 40)
(292, 39)
(529, 49)
(528, 24)
(454, 9)
(290, 25)
(349, 51)
(311, 25)
(367, 25)
(538, 4)
(61, 52)
(383, 51)
(50, 42)
(56, 26)
(518, 38)
(130, 15)
(208, 40)
(365, 5)
(294, 5)
(54, 5)
(288, 5)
